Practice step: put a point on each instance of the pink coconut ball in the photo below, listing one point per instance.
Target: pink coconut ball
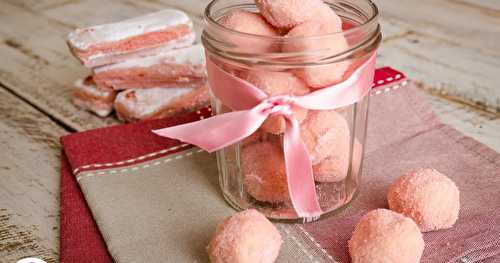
(318, 76)
(325, 133)
(428, 197)
(383, 236)
(286, 14)
(335, 167)
(250, 23)
(263, 168)
(245, 237)
(279, 83)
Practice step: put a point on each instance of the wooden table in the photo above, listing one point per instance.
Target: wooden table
(450, 47)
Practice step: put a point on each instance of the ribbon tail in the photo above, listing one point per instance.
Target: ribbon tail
(219, 131)
(299, 172)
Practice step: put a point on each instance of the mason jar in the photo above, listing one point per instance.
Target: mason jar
(252, 171)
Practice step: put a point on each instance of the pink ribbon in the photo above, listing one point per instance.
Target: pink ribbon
(251, 107)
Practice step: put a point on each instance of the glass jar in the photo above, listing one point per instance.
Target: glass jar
(252, 173)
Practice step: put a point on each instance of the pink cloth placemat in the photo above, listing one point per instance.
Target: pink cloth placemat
(403, 134)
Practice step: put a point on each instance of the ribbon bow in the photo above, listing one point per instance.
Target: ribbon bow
(251, 107)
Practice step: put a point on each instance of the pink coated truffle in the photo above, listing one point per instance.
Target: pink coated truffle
(318, 76)
(334, 168)
(245, 237)
(286, 14)
(250, 23)
(326, 133)
(428, 197)
(279, 83)
(263, 168)
(385, 236)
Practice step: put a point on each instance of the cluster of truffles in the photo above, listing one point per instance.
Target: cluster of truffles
(143, 68)
(420, 201)
(326, 133)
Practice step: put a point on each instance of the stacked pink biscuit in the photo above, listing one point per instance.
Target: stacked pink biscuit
(146, 67)
(326, 134)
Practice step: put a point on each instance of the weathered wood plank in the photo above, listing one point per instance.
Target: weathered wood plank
(466, 32)
(482, 126)
(40, 68)
(460, 72)
(29, 182)
(93, 12)
(469, 25)
(39, 4)
(484, 6)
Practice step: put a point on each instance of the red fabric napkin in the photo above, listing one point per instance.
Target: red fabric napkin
(80, 239)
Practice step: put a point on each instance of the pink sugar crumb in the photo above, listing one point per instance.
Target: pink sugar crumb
(279, 83)
(286, 14)
(325, 133)
(263, 168)
(257, 136)
(250, 23)
(428, 197)
(334, 168)
(319, 76)
(386, 236)
(245, 237)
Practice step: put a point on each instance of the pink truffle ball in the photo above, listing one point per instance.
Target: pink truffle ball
(334, 168)
(326, 133)
(386, 236)
(250, 23)
(319, 76)
(246, 237)
(428, 197)
(263, 168)
(279, 83)
(286, 14)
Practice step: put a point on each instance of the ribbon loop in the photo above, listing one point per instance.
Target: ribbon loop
(251, 107)
(280, 105)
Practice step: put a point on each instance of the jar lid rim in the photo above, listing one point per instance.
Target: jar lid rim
(210, 20)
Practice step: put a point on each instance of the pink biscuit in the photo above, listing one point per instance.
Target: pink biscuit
(182, 66)
(326, 133)
(168, 27)
(428, 197)
(108, 59)
(287, 14)
(87, 96)
(154, 103)
(386, 236)
(322, 75)
(245, 237)
(334, 168)
(279, 83)
(250, 23)
(263, 168)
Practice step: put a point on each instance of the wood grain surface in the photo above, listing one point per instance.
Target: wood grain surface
(450, 47)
